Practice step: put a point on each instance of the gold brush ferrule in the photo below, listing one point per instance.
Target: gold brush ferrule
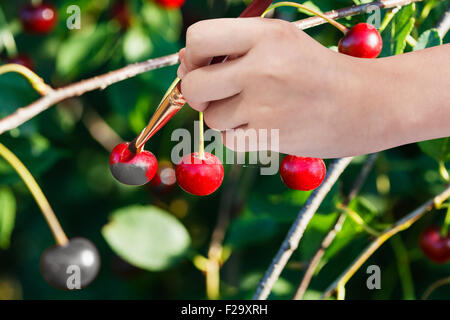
(170, 104)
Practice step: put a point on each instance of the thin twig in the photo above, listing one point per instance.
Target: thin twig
(443, 25)
(77, 89)
(100, 130)
(101, 82)
(309, 273)
(47, 211)
(434, 286)
(297, 229)
(215, 248)
(36, 82)
(335, 229)
(351, 11)
(401, 225)
(356, 218)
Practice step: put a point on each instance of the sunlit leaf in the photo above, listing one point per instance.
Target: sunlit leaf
(437, 149)
(429, 38)
(85, 50)
(147, 237)
(398, 29)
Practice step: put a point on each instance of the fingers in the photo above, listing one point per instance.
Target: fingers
(218, 37)
(226, 114)
(212, 83)
(181, 69)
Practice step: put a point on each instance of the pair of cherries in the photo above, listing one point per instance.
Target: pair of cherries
(197, 175)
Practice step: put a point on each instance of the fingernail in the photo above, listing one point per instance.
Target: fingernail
(181, 71)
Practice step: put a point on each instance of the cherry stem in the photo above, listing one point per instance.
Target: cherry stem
(339, 26)
(36, 82)
(201, 141)
(6, 36)
(446, 226)
(32, 185)
(443, 171)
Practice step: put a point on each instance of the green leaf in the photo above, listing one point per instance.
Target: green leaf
(137, 45)
(147, 237)
(37, 154)
(16, 92)
(437, 149)
(85, 50)
(7, 216)
(167, 22)
(396, 32)
(428, 39)
(249, 229)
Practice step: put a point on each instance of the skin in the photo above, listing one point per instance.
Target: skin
(325, 104)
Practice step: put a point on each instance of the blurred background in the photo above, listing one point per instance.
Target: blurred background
(67, 148)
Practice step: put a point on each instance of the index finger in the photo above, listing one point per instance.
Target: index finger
(220, 37)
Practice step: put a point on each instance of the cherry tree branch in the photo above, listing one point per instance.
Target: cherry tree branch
(53, 97)
(297, 229)
(24, 114)
(331, 235)
(100, 130)
(351, 11)
(401, 225)
(215, 250)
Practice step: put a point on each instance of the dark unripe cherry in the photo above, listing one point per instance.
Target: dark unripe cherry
(131, 168)
(171, 4)
(435, 246)
(120, 12)
(302, 173)
(199, 177)
(40, 18)
(22, 59)
(362, 41)
(70, 267)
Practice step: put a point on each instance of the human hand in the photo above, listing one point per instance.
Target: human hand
(324, 104)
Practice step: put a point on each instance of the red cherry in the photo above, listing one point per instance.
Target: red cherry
(199, 177)
(171, 4)
(22, 59)
(132, 168)
(38, 18)
(302, 173)
(434, 245)
(120, 12)
(164, 179)
(362, 41)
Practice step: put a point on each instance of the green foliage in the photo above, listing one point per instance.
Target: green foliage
(147, 237)
(248, 230)
(398, 29)
(437, 149)
(428, 39)
(85, 50)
